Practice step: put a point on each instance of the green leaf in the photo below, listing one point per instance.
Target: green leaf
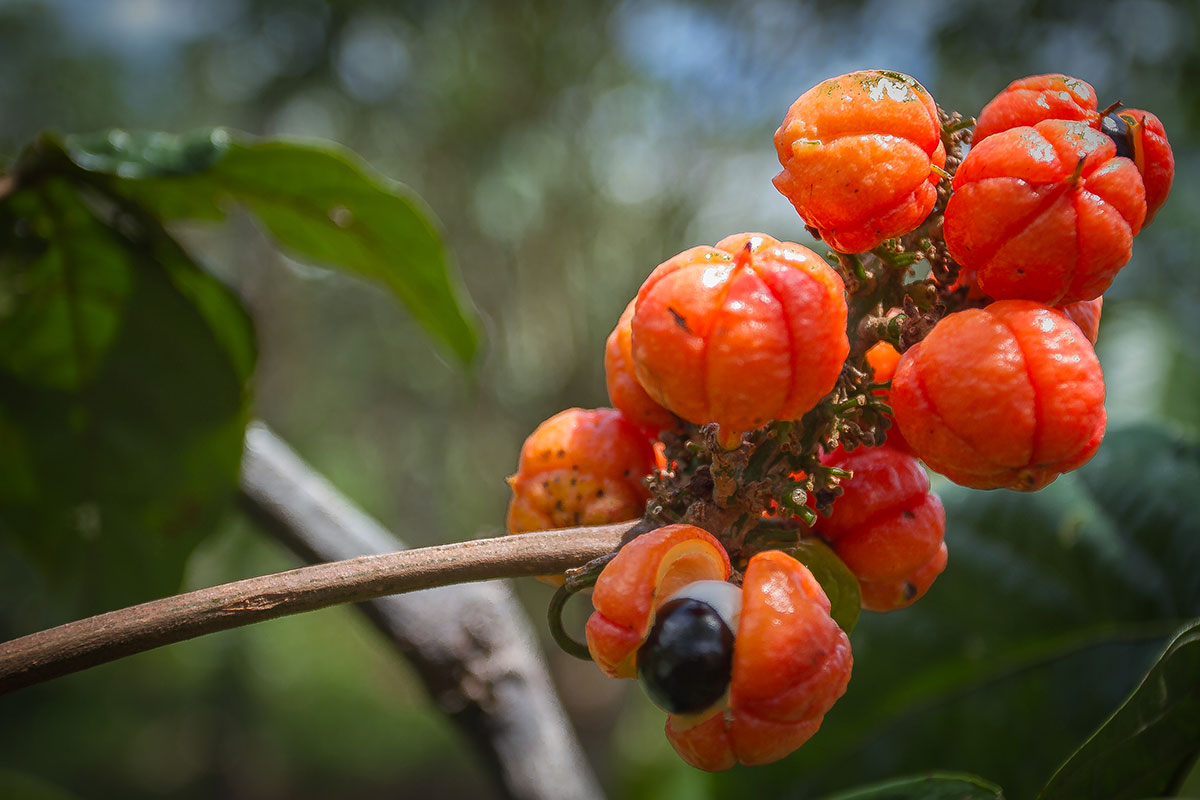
(318, 201)
(122, 441)
(1052, 607)
(1150, 743)
(935, 786)
(63, 288)
(839, 583)
(147, 154)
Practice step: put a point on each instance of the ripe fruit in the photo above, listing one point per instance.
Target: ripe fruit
(886, 523)
(1046, 213)
(643, 575)
(791, 662)
(1028, 101)
(886, 526)
(746, 674)
(580, 467)
(624, 391)
(861, 155)
(1009, 396)
(740, 334)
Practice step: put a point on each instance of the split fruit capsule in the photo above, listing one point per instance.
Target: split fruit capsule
(749, 331)
(862, 155)
(746, 673)
(1006, 396)
(1140, 137)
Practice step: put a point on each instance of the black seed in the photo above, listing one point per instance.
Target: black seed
(686, 661)
(1119, 132)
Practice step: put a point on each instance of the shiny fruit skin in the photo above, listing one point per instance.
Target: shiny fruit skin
(1046, 213)
(860, 156)
(740, 334)
(1006, 396)
(1028, 101)
(887, 523)
(893, 595)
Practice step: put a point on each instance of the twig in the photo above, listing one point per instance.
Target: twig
(471, 644)
(107, 637)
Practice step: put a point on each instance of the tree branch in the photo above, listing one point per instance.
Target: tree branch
(471, 644)
(106, 637)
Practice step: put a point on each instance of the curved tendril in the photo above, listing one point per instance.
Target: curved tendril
(569, 645)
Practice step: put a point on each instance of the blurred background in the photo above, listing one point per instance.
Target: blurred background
(567, 148)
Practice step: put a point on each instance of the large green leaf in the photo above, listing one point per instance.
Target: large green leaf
(1052, 607)
(1148, 745)
(123, 395)
(64, 282)
(935, 786)
(318, 201)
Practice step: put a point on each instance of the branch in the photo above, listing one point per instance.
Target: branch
(471, 644)
(106, 637)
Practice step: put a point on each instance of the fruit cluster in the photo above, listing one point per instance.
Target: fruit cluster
(771, 405)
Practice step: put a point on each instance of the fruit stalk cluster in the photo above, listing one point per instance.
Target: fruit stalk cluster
(772, 407)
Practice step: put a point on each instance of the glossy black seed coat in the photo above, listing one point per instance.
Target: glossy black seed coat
(1118, 130)
(686, 661)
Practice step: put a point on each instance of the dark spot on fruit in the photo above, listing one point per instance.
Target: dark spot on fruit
(909, 515)
(910, 591)
(599, 493)
(562, 453)
(680, 320)
(558, 505)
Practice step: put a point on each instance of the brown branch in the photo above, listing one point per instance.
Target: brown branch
(77, 645)
(471, 644)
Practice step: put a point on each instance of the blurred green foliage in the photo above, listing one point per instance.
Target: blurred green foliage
(567, 148)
